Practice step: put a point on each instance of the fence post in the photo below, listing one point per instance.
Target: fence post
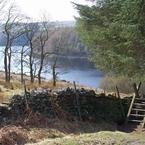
(121, 106)
(77, 101)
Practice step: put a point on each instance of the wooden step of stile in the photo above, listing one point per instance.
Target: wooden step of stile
(139, 104)
(135, 120)
(140, 99)
(137, 115)
(136, 109)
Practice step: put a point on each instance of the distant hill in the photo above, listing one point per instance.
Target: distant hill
(21, 40)
(66, 41)
(70, 43)
(64, 23)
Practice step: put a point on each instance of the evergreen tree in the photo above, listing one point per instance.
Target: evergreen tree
(114, 31)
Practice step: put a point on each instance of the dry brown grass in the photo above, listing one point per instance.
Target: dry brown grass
(16, 87)
(37, 134)
(20, 132)
(7, 90)
(13, 135)
(1, 97)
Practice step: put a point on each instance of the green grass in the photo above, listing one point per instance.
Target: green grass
(100, 138)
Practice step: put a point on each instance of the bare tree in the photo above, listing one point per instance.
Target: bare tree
(45, 32)
(42, 38)
(12, 30)
(58, 46)
(31, 30)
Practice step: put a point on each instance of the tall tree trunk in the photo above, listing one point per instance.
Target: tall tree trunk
(6, 64)
(54, 74)
(9, 64)
(39, 75)
(41, 65)
(31, 63)
(22, 72)
(31, 72)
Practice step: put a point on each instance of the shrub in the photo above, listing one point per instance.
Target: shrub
(124, 83)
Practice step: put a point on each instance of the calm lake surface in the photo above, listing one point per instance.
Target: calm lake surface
(79, 70)
(70, 69)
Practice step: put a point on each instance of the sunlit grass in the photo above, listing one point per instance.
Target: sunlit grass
(99, 138)
(7, 90)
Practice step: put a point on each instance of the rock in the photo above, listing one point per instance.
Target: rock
(4, 112)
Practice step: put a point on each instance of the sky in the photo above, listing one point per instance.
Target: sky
(61, 10)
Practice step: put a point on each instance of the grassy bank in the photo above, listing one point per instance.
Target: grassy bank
(7, 90)
(100, 138)
(20, 132)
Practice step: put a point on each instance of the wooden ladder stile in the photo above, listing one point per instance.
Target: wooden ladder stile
(136, 89)
(136, 112)
(130, 108)
(133, 99)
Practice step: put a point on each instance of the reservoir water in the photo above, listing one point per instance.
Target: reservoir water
(70, 69)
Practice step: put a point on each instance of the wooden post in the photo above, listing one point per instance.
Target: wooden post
(118, 94)
(25, 94)
(136, 89)
(142, 125)
(77, 101)
(121, 106)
